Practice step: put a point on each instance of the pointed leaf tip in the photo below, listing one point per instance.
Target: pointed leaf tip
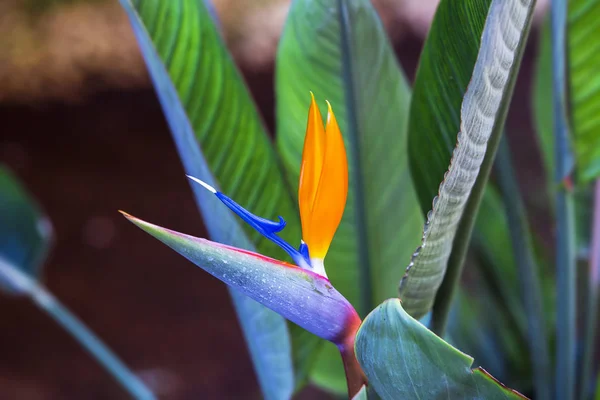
(203, 184)
(125, 214)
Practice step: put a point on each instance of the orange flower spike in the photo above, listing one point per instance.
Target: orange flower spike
(321, 220)
(312, 163)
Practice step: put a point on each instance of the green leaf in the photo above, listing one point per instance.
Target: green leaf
(328, 370)
(542, 100)
(445, 70)
(404, 360)
(221, 134)
(370, 97)
(25, 238)
(478, 327)
(529, 271)
(219, 108)
(491, 241)
(482, 116)
(339, 50)
(25, 232)
(583, 101)
(584, 89)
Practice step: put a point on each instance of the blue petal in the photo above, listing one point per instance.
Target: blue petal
(304, 251)
(268, 229)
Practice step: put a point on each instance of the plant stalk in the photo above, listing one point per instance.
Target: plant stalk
(565, 218)
(529, 284)
(586, 375)
(48, 303)
(355, 377)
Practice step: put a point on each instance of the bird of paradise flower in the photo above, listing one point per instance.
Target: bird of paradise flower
(301, 293)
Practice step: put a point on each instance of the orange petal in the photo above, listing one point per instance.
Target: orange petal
(312, 163)
(330, 200)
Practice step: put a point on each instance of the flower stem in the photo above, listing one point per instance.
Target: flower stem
(354, 375)
(565, 218)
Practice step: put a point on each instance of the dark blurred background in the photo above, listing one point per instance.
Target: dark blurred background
(81, 127)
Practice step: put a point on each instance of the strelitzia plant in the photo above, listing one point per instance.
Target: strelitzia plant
(416, 169)
(369, 262)
(301, 293)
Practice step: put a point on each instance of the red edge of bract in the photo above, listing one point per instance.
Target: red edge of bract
(265, 258)
(502, 385)
(251, 253)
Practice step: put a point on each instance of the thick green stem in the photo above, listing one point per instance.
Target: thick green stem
(528, 271)
(565, 218)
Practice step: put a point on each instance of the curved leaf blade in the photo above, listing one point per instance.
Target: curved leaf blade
(445, 70)
(219, 108)
(25, 232)
(340, 51)
(584, 63)
(542, 100)
(584, 90)
(403, 360)
(194, 75)
(25, 238)
(483, 112)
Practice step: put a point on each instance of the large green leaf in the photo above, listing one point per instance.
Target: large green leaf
(529, 271)
(404, 360)
(342, 54)
(482, 116)
(339, 50)
(584, 89)
(25, 233)
(445, 70)
(492, 243)
(219, 108)
(194, 75)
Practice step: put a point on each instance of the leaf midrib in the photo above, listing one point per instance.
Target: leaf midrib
(362, 242)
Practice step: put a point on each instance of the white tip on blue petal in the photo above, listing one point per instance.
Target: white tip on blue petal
(204, 184)
(265, 227)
